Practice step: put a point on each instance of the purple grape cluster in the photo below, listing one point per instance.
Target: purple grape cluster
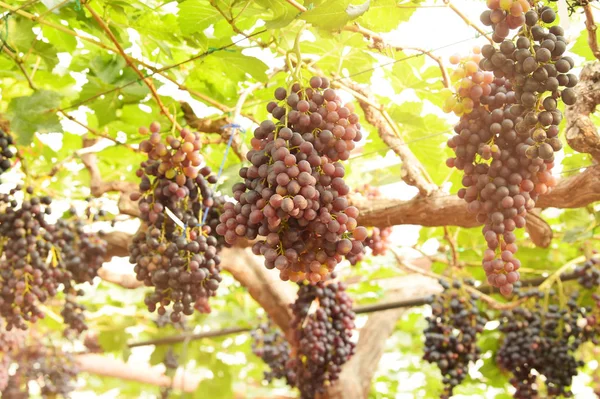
(588, 274)
(545, 341)
(6, 141)
(40, 258)
(505, 146)
(270, 345)
(293, 194)
(322, 337)
(28, 269)
(176, 254)
(81, 255)
(451, 334)
(51, 368)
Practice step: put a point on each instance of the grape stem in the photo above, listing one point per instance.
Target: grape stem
(484, 297)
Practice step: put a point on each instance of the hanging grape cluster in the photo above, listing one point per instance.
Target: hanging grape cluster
(323, 337)
(588, 274)
(270, 345)
(451, 334)
(80, 255)
(545, 340)
(378, 239)
(507, 98)
(10, 344)
(176, 254)
(51, 368)
(28, 265)
(6, 153)
(39, 258)
(293, 195)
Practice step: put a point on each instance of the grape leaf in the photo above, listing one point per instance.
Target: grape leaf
(31, 114)
(334, 14)
(196, 15)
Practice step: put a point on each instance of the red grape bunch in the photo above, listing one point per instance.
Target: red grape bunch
(470, 84)
(505, 146)
(378, 239)
(323, 337)
(504, 15)
(176, 254)
(293, 194)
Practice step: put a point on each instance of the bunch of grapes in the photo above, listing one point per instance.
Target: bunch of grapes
(322, 337)
(451, 334)
(378, 239)
(176, 255)
(54, 370)
(50, 367)
(545, 341)
(171, 362)
(470, 84)
(588, 274)
(10, 344)
(28, 265)
(6, 153)
(81, 254)
(505, 144)
(293, 195)
(504, 15)
(270, 345)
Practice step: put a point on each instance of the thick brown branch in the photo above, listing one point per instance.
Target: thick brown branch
(125, 280)
(99, 187)
(379, 43)
(413, 171)
(105, 366)
(571, 192)
(356, 376)
(592, 28)
(581, 133)
(263, 285)
(539, 230)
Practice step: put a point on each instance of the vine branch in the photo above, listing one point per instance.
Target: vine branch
(467, 20)
(21, 66)
(592, 28)
(379, 43)
(129, 61)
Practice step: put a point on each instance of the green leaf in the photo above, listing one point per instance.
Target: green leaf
(62, 41)
(108, 67)
(582, 48)
(334, 14)
(281, 13)
(196, 15)
(385, 15)
(34, 113)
